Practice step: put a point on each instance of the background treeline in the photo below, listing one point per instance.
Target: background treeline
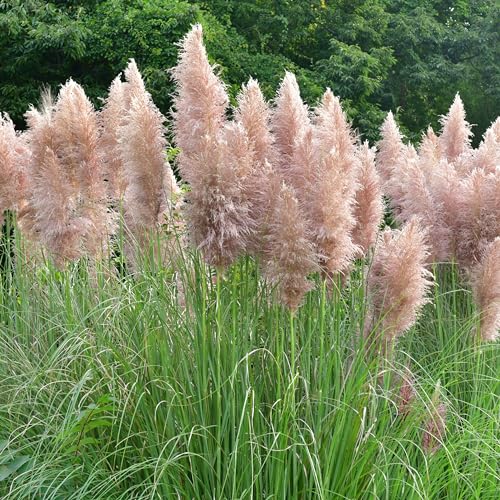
(410, 56)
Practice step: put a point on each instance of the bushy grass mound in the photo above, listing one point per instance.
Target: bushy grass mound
(163, 385)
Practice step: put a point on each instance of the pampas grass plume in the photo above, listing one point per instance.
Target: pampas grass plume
(486, 287)
(290, 257)
(289, 120)
(369, 206)
(456, 133)
(397, 282)
(14, 157)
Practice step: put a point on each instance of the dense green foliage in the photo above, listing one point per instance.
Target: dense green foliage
(111, 389)
(406, 55)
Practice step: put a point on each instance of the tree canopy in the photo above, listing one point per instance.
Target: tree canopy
(406, 55)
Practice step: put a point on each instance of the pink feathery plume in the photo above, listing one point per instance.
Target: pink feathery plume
(331, 213)
(216, 158)
(446, 189)
(200, 102)
(254, 115)
(390, 149)
(59, 231)
(392, 161)
(429, 146)
(39, 137)
(330, 206)
(486, 288)
(111, 118)
(397, 283)
(479, 216)
(289, 120)
(305, 162)
(134, 84)
(50, 219)
(369, 205)
(419, 201)
(332, 130)
(290, 257)
(456, 133)
(76, 135)
(219, 209)
(487, 155)
(150, 182)
(14, 156)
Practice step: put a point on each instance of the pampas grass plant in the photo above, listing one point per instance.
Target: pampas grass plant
(232, 368)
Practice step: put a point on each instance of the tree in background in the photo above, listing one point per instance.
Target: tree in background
(406, 55)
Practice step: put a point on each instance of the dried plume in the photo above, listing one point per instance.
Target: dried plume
(289, 254)
(397, 283)
(332, 130)
(134, 83)
(50, 220)
(219, 210)
(254, 115)
(305, 164)
(486, 287)
(429, 147)
(369, 206)
(390, 148)
(479, 216)
(142, 146)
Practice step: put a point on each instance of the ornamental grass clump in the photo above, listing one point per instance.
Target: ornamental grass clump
(451, 187)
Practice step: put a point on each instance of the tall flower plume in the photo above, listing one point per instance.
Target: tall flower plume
(289, 121)
(65, 162)
(76, 145)
(330, 206)
(254, 115)
(369, 206)
(200, 103)
(290, 257)
(150, 183)
(390, 148)
(14, 156)
(397, 283)
(455, 136)
(486, 287)
(487, 155)
(215, 157)
(479, 215)
(111, 118)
